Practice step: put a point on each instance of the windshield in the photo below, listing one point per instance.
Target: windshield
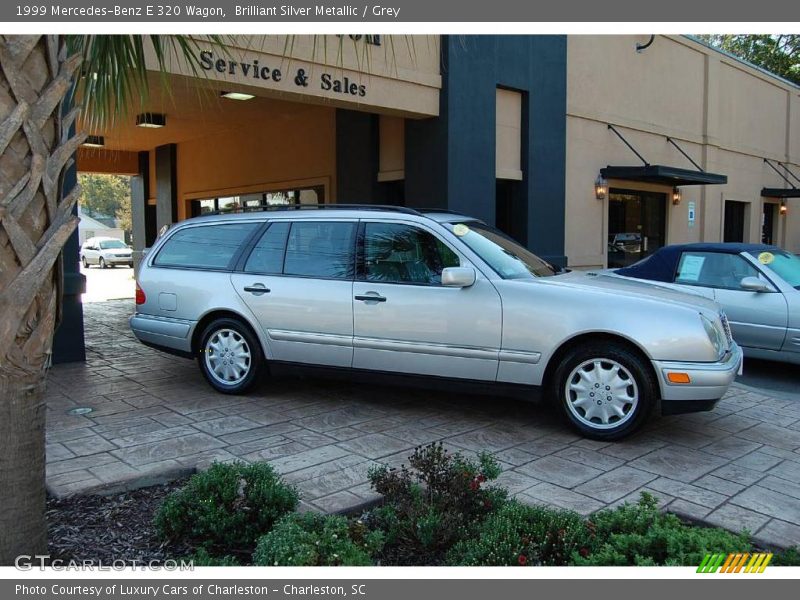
(504, 255)
(785, 265)
(109, 244)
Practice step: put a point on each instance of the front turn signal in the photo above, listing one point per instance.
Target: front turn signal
(678, 378)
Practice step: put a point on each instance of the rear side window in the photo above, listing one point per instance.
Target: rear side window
(205, 247)
(321, 249)
(267, 254)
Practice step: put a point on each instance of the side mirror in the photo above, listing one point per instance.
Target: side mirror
(754, 284)
(460, 277)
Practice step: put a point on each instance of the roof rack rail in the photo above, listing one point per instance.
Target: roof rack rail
(280, 207)
(446, 211)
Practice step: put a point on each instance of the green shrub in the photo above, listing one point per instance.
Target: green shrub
(523, 535)
(439, 499)
(311, 539)
(786, 558)
(201, 558)
(226, 509)
(639, 534)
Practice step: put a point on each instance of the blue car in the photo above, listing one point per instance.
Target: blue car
(757, 285)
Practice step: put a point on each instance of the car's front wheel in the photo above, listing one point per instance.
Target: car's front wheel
(85, 262)
(605, 390)
(230, 356)
(102, 263)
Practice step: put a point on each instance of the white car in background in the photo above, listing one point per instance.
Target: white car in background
(105, 252)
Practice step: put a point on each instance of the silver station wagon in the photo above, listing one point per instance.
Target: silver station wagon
(403, 292)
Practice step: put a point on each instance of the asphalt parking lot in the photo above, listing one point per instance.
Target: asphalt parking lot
(153, 418)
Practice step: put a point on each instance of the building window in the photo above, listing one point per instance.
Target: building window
(508, 134)
(769, 234)
(392, 148)
(735, 221)
(637, 223)
(309, 195)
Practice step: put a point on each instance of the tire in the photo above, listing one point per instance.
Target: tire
(229, 335)
(590, 401)
(101, 263)
(85, 262)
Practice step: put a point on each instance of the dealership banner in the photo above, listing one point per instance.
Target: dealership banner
(389, 589)
(352, 11)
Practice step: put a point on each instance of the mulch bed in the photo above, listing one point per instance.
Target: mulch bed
(110, 529)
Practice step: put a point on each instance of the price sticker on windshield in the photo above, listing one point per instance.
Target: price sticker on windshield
(766, 257)
(460, 229)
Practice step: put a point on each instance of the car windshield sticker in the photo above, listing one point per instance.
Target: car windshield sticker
(766, 257)
(690, 267)
(460, 229)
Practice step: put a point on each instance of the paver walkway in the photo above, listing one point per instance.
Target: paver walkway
(154, 417)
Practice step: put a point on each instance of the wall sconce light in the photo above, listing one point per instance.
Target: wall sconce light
(600, 187)
(783, 209)
(94, 141)
(151, 120)
(676, 196)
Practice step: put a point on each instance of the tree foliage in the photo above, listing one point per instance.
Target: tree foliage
(777, 53)
(105, 195)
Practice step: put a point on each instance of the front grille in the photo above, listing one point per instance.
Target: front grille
(726, 327)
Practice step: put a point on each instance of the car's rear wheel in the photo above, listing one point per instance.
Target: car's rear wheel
(230, 356)
(102, 263)
(606, 391)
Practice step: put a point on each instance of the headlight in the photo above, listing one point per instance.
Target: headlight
(716, 337)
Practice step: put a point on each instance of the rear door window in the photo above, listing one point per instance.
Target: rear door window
(267, 254)
(204, 247)
(321, 249)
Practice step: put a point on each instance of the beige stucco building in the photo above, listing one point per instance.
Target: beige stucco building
(726, 115)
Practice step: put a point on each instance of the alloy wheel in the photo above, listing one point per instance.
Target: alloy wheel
(227, 356)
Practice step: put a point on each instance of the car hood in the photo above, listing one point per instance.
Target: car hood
(614, 284)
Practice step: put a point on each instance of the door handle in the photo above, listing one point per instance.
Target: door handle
(257, 289)
(371, 297)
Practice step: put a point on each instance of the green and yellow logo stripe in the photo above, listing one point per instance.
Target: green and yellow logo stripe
(740, 562)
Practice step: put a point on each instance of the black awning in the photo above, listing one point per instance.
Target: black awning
(780, 192)
(663, 175)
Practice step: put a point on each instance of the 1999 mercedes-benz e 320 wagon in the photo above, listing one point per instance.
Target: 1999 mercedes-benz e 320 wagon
(430, 293)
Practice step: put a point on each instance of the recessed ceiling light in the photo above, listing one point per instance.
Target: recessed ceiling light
(237, 96)
(94, 141)
(151, 120)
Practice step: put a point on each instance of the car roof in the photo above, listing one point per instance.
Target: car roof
(353, 211)
(726, 247)
(662, 264)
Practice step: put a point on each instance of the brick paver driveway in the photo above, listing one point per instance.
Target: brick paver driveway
(154, 417)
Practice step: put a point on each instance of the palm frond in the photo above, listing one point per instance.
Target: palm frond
(114, 75)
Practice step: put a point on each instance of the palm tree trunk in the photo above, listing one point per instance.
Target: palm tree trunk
(36, 148)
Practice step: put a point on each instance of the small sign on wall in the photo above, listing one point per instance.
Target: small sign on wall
(691, 213)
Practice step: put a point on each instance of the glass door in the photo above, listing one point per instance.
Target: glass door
(636, 225)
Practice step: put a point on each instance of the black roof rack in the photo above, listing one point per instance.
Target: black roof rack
(280, 207)
(446, 211)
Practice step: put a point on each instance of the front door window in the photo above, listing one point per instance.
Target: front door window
(636, 225)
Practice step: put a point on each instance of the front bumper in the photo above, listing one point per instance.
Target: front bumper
(708, 381)
(118, 260)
